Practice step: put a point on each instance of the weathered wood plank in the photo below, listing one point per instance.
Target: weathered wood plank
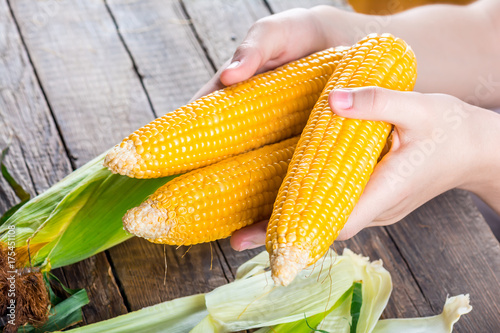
(96, 276)
(37, 158)
(86, 73)
(406, 299)
(173, 66)
(221, 25)
(455, 253)
(97, 99)
(167, 53)
(281, 5)
(140, 266)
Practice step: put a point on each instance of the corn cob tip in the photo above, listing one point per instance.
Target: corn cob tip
(286, 263)
(123, 159)
(147, 221)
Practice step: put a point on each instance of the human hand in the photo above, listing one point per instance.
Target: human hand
(439, 143)
(278, 39)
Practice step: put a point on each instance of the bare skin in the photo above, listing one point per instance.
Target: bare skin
(443, 143)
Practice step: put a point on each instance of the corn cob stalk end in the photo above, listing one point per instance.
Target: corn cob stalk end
(147, 221)
(287, 263)
(123, 159)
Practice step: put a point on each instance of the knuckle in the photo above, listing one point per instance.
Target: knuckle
(268, 23)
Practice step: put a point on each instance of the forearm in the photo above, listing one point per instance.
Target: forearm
(457, 47)
(484, 176)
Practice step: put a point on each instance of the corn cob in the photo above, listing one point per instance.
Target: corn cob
(265, 109)
(212, 202)
(334, 159)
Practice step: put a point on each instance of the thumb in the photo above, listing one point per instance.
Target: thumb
(403, 109)
(246, 61)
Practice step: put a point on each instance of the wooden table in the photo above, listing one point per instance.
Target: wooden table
(77, 76)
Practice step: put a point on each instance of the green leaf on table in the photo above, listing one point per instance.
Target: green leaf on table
(65, 314)
(78, 217)
(18, 189)
(312, 328)
(357, 301)
(307, 324)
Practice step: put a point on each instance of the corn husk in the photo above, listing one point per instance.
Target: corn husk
(454, 307)
(238, 306)
(77, 217)
(252, 301)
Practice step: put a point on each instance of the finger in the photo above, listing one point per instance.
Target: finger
(403, 109)
(272, 42)
(212, 85)
(247, 60)
(385, 192)
(249, 237)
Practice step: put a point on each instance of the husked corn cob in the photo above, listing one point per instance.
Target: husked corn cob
(212, 202)
(334, 159)
(264, 109)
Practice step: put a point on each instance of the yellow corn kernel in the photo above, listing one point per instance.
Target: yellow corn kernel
(212, 202)
(264, 109)
(334, 159)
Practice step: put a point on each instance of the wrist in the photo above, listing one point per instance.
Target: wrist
(338, 27)
(483, 178)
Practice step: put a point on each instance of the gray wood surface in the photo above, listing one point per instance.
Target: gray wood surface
(37, 156)
(221, 25)
(281, 5)
(450, 250)
(162, 44)
(87, 73)
(96, 98)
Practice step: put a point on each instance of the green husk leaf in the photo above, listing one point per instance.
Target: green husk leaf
(220, 311)
(252, 301)
(18, 189)
(79, 216)
(11, 212)
(65, 314)
(357, 301)
(177, 316)
(312, 328)
(307, 324)
(454, 307)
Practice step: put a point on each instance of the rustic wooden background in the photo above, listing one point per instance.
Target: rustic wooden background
(76, 76)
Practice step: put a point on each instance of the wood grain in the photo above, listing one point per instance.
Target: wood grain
(140, 266)
(86, 73)
(221, 25)
(96, 98)
(167, 53)
(173, 66)
(96, 276)
(97, 81)
(281, 5)
(37, 158)
(450, 250)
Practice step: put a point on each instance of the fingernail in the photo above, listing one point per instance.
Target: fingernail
(234, 64)
(248, 245)
(342, 99)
